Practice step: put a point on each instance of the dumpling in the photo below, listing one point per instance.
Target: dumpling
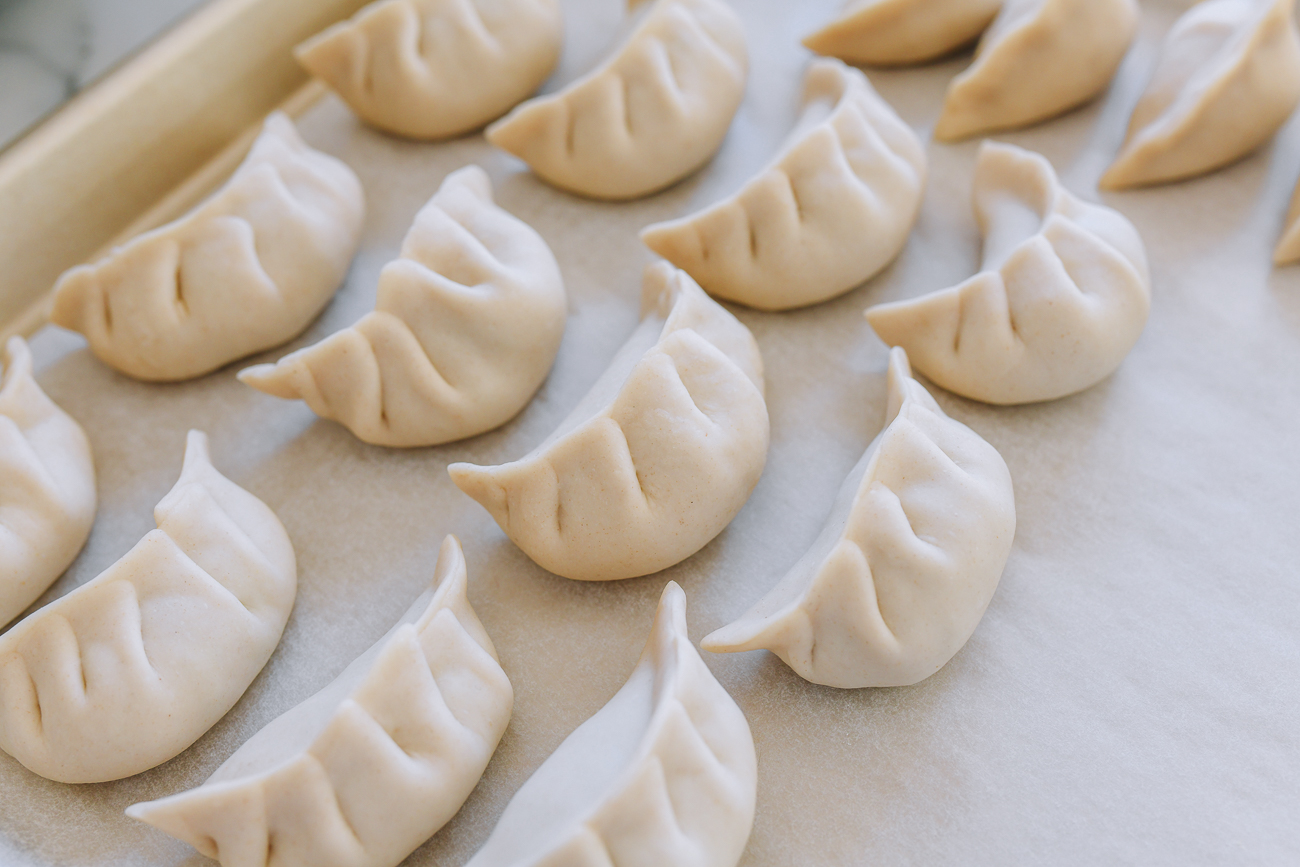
(1039, 59)
(431, 69)
(665, 773)
(466, 325)
(648, 116)
(1287, 250)
(833, 208)
(367, 769)
(1061, 297)
(47, 486)
(908, 560)
(1228, 77)
(135, 665)
(897, 32)
(246, 270)
(657, 458)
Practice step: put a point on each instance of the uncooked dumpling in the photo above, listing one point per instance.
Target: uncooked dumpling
(1039, 59)
(1062, 296)
(664, 774)
(653, 113)
(1227, 79)
(833, 208)
(896, 32)
(466, 325)
(1288, 246)
(908, 560)
(246, 270)
(47, 486)
(132, 667)
(657, 458)
(367, 769)
(430, 69)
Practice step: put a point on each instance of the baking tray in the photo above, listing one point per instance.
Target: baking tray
(1131, 695)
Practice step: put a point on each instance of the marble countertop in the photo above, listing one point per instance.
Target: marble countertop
(50, 49)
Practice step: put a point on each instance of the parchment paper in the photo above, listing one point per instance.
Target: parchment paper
(1131, 695)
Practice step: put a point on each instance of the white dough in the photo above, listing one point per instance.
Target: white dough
(651, 114)
(246, 270)
(132, 667)
(466, 325)
(664, 774)
(1060, 299)
(898, 32)
(657, 458)
(1040, 58)
(908, 560)
(832, 209)
(1228, 77)
(430, 69)
(47, 486)
(370, 767)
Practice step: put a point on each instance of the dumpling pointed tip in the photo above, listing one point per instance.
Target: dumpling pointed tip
(737, 637)
(474, 178)
(270, 379)
(451, 561)
(481, 485)
(17, 357)
(197, 450)
(899, 374)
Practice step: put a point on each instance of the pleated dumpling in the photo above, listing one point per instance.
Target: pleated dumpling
(466, 325)
(47, 486)
(833, 208)
(132, 667)
(648, 116)
(1040, 58)
(1061, 297)
(657, 458)
(370, 767)
(898, 32)
(908, 560)
(431, 69)
(665, 773)
(1228, 77)
(246, 270)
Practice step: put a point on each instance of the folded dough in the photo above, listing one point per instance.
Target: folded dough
(134, 666)
(47, 486)
(367, 769)
(466, 325)
(665, 773)
(1228, 77)
(648, 116)
(1039, 59)
(1287, 250)
(907, 563)
(833, 208)
(431, 69)
(898, 32)
(1061, 297)
(246, 270)
(657, 458)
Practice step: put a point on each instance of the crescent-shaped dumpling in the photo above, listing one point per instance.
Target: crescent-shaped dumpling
(907, 562)
(1228, 77)
(657, 458)
(47, 486)
(665, 773)
(246, 270)
(647, 117)
(899, 32)
(466, 325)
(132, 667)
(367, 769)
(1039, 58)
(431, 69)
(832, 209)
(1061, 297)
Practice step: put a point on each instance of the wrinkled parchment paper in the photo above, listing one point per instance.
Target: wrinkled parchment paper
(1132, 694)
